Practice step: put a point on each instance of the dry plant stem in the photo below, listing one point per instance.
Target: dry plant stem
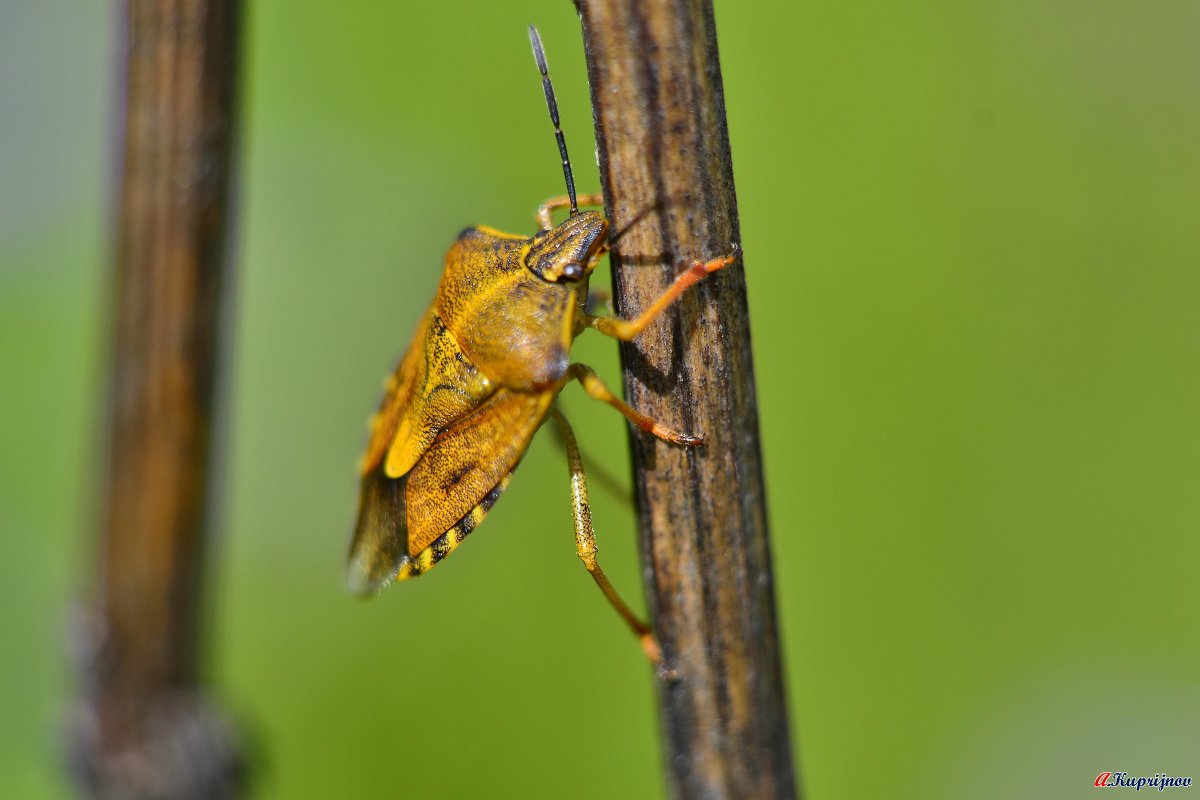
(668, 183)
(143, 727)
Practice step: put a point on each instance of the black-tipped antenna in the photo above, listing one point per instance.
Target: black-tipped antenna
(539, 56)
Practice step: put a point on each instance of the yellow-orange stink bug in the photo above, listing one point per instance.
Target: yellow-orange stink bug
(480, 376)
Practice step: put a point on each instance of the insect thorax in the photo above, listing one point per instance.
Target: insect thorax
(515, 327)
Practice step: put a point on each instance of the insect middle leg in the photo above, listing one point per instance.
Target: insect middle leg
(546, 210)
(585, 545)
(596, 390)
(626, 329)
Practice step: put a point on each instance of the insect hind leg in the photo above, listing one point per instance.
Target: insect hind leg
(585, 546)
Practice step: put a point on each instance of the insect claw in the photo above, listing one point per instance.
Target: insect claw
(654, 653)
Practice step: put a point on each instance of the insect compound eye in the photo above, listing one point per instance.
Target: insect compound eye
(572, 271)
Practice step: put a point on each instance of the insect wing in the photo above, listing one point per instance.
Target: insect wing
(398, 395)
(468, 460)
(380, 535)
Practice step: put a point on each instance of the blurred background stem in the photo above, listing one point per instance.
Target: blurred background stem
(668, 183)
(144, 729)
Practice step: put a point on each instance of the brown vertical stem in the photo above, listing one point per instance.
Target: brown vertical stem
(143, 729)
(668, 185)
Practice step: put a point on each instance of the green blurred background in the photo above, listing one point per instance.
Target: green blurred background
(971, 236)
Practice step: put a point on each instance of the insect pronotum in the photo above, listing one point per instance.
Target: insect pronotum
(481, 375)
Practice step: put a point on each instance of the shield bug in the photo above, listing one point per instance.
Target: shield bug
(480, 376)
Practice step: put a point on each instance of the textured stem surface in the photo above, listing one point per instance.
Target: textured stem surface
(668, 186)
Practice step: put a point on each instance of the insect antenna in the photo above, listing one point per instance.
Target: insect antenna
(539, 56)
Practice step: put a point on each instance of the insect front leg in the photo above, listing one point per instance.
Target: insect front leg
(625, 330)
(585, 547)
(545, 212)
(596, 390)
